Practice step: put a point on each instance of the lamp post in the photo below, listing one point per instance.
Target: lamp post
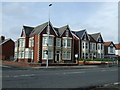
(48, 32)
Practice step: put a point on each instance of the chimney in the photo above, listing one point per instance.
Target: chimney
(2, 38)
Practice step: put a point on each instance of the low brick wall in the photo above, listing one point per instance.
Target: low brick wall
(92, 63)
(38, 64)
(20, 63)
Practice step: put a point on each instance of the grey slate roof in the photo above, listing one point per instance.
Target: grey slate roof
(28, 30)
(62, 29)
(91, 38)
(95, 36)
(57, 31)
(38, 29)
(79, 33)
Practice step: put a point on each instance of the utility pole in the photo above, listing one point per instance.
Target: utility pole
(48, 33)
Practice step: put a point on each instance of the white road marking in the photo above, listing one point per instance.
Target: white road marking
(26, 75)
(72, 72)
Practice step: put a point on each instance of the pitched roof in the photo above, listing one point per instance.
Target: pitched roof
(79, 33)
(108, 43)
(57, 31)
(62, 29)
(95, 35)
(117, 46)
(6, 40)
(28, 30)
(91, 38)
(38, 29)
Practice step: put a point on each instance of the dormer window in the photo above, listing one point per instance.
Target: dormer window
(67, 33)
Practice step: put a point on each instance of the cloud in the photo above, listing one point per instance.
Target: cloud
(104, 20)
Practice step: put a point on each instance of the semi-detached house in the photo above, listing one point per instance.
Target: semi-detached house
(61, 43)
(33, 43)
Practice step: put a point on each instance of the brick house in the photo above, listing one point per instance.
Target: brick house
(6, 48)
(93, 47)
(99, 45)
(109, 49)
(83, 43)
(33, 44)
(117, 50)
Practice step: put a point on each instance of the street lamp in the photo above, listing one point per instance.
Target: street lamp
(48, 32)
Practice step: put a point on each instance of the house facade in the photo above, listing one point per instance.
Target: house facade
(57, 45)
(36, 42)
(109, 49)
(99, 45)
(90, 45)
(117, 49)
(6, 48)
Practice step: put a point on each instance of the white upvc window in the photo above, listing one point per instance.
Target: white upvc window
(66, 42)
(31, 42)
(50, 54)
(66, 55)
(27, 53)
(21, 42)
(67, 33)
(44, 41)
(22, 54)
(58, 42)
(50, 41)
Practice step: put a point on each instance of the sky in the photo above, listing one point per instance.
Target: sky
(93, 16)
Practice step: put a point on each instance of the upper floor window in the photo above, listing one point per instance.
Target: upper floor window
(98, 46)
(58, 42)
(67, 33)
(21, 42)
(44, 41)
(111, 49)
(50, 41)
(83, 44)
(31, 42)
(66, 42)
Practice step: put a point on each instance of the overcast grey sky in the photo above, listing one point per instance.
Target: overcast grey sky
(92, 16)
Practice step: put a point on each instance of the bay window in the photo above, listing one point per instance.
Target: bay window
(50, 54)
(66, 55)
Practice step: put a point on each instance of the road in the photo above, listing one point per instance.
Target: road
(69, 78)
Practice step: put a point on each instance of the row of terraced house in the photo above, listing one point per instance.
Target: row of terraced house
(62, 44)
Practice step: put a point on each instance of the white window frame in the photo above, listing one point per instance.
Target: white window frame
(58, 42)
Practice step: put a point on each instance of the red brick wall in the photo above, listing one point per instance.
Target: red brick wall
(7, 50)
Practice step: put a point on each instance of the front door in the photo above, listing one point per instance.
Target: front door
(58, 56)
